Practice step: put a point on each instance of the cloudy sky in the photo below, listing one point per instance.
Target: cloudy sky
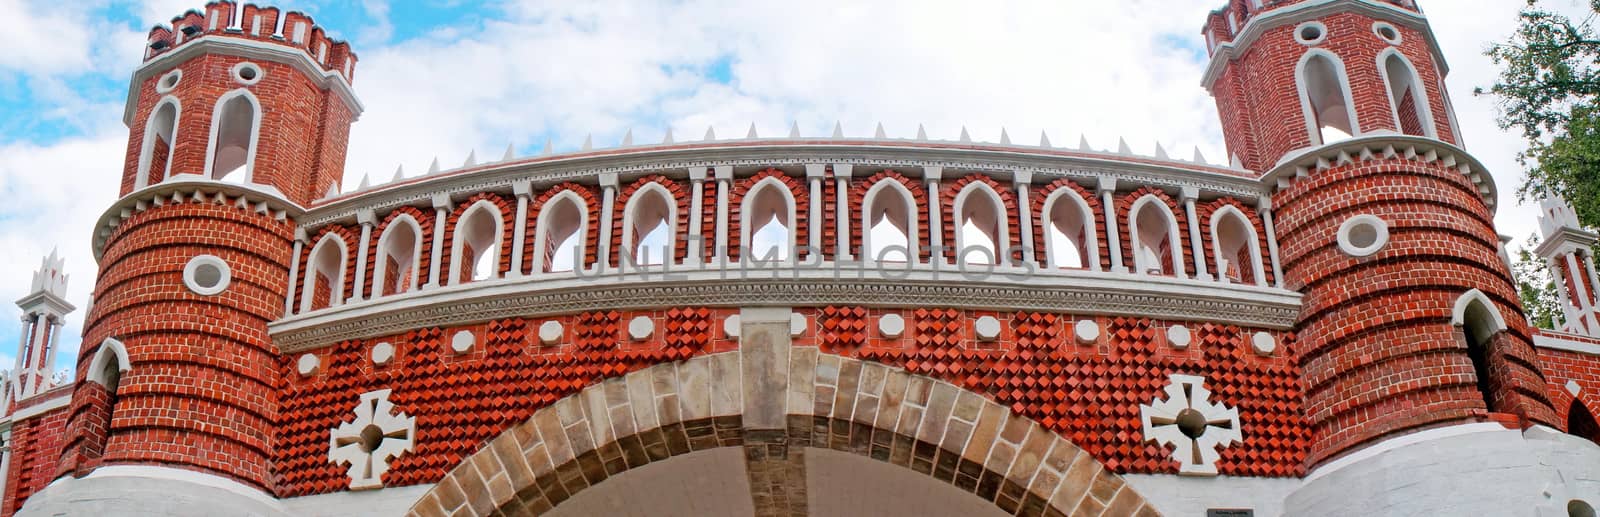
(441, 78)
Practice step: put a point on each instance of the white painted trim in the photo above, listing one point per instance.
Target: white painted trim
(870, 200)
(255, 133)
(1172, 235)
(1002, 239)
(629, 215)
(309, 287)
(182, 476)
(1555, 341)
(60, 401)
(1093, 244)
(192, 268)
(1306, 108)
(1380, 229)
(542, 227)
(1380, 25)
(1419, 93)
(1322, 33)
(110, 349)
(456, 238)
(746, 232)
(237, 73)
(1254, 243)
(253, 49)
(1458, 315)
(1405, 440)
(381, 269)
(1226, 52)
(146, 150)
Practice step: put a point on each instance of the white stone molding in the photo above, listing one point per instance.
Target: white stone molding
(1346, 236)
(1303, 85)
(294, 271)
(1311, 33)
(608, 202)
(207, 275)
(697, 242)
(550, 332)
(815, 174)
(519, 227)
(217, 119)
(641, 328)
(246, 73)
(1263, 343)
(1265, 22)
(1107, 186)
(931, 176)
(1195, 245)
(110, 350)
(1382, 145)
(308, 364)
(987, 328)
(441, 209)
(1458, 314)
(461, 342)
(250, 49)
(1179, 336)
(1264, 208)
(147, 150)
(891, 325)
(1086, 331)
(367, 444)
(169, 81)
(365, 219)
(841, 210)
(1573, 388)
(1423, 102)
(797, 324)
(1189, 422)
(731, 326)
(1021, 178)
(724, 176)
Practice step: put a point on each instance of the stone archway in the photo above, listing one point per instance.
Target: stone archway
(774, 401)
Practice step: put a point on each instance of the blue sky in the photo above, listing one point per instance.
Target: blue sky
(441, 79)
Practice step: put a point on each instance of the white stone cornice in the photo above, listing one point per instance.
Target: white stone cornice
(1383, 145)
(254, 197)
(60, 401)
(1555, 340)
(1071, 291)
(1311, 10)
(1566, 239)
(253, 49)
(675, 161)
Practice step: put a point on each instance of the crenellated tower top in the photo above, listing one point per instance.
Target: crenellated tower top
(266, 24)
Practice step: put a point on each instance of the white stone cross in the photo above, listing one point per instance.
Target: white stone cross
(377, 435)
(1193, 425)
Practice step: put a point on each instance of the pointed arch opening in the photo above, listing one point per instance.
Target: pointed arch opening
(399, 251)
(649, 226)
(1325, 98)
(1235, 249)
(560, 234)
(981, 226)
(1153, 232)
(235, 127)
(160, 131)
(324, 282)
(1070, 240)
(1480, 322)
(1407, 99)
(767, 222)
(1581, 422)
(475, 246)
(891, 233)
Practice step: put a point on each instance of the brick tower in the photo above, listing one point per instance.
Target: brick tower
(238, 117)
(1410, 318)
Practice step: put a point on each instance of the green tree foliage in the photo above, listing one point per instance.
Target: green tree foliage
(1540, 299)
(1549, 88)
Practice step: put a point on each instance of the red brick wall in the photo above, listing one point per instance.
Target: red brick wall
(1378, 350)
(202, 391)
(1562, 366)
(35, 445)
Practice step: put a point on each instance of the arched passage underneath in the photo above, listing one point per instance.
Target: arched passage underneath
(760, 427)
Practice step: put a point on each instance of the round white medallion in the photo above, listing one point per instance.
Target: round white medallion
(550, 332)
(640, 328)
(169, 81)
(1178, 336)
(797, 324)
(247, 73)
(207, 275)
(1311, 33)
(308, 364)
(1263, 343)
(730, 326)
(382, 353)
(1387, 33)
(987, 328)
(1087, 331)
(461, 342)
(1363, 235)
(891, 325)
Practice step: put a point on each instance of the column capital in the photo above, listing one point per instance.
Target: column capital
(1022, 177)
(1264, 203)
(442, 201)
(697, 174)
(1105, 184)
(843, 170)
(366, 217)
(522, 188)
(1189, 194)
(608, 180)
(300, 235)
(933, 173)
(816, 171)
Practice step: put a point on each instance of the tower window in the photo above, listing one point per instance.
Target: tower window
(156, 154)
(1154, 235)
(980, 225)
(1408, 101)
(1480, 323)
(560, 233)
(648, 233)
(768, 221)
(324, 282)
(476, 246)
(1235, 251)
(886, 212)
(398, 250)
(234, 128)
(1069, 231)
(1325, 98)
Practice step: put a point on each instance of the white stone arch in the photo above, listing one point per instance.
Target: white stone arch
(152, 129)
(1459, 316)
(750, 219)
(327, 257)
(1001, 227)
(543, 228)
(1252, 241)
(1091, 245)
(1339, 80)
(468, 228)
(631, 215)
(1136, 238)
(110, 350)
(388, 247)
(1409, 77)
(217, 123)
(869, 204)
